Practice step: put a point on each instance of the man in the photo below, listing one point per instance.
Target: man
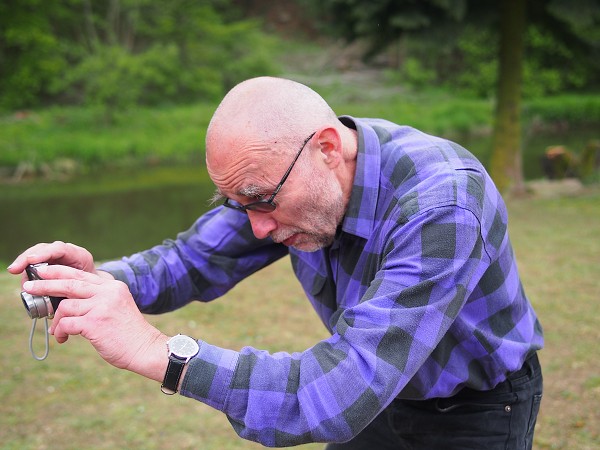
(399, 240)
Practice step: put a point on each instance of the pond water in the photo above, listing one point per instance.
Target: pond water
(534, 146)
(109, 214)
(120, 212)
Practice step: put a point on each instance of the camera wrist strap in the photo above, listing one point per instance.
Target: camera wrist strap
(47, 340)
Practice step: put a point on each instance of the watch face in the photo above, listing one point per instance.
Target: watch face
(183, 346)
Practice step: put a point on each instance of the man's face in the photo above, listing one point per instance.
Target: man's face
(310, 205)
(310, 219)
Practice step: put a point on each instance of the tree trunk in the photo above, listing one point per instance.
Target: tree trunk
(90, 28)
(506, 164)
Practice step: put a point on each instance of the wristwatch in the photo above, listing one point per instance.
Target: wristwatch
(181, 349)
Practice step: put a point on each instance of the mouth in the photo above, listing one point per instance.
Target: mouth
(290, 240)
(286, 237)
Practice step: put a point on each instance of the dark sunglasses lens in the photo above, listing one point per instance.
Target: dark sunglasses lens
(233, 204)
(261, 207)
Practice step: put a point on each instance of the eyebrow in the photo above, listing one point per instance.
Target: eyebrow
(250, 191)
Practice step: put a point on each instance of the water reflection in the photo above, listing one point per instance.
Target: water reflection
(109, 224)
(534, 146)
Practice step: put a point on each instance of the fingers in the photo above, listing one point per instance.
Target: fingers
(60, 288)
(58, 272)
(37, 254)
(62, 281)
(68, 319)
(57, 252)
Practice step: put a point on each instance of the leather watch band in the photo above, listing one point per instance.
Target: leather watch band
(172, 375)
(180, 348)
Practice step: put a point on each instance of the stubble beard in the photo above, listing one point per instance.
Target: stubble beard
(320, 217)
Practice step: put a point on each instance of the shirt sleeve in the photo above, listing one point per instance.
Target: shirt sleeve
(202, 263)
(331, 391)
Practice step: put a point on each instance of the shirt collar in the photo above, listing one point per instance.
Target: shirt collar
(360, 215)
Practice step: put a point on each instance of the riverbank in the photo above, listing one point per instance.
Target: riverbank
(58, 143)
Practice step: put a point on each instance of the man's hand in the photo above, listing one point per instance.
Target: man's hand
(102, 311)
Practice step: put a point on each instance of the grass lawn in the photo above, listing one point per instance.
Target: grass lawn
(74, 400)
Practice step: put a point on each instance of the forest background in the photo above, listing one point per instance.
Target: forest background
(103, 112)
(83, 65)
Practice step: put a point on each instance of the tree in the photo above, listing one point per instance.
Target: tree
(119, 53)
(506, 164)
(31, 55)
(572, 22)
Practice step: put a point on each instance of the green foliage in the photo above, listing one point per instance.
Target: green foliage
(478, 73)
(31, 56)
(552, 67)
(382, 21)
(416, 74)
(122, 53)
(470, 64)
(458, 41)
(570, 109)
(115, 78)
(167, 134)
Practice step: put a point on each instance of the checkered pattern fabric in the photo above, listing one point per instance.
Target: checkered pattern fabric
(420, 292)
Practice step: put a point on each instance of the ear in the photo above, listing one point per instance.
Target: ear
(330, 146)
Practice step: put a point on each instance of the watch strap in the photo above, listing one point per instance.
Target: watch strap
(172, 375)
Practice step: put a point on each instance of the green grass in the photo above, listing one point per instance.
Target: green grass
(169, 134)
(43, 140)
(74, 400)
(557, 242)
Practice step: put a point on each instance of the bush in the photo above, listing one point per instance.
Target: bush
(141, 53)
(576, 109)
(416, 75)
(469, 62)
(114, 78)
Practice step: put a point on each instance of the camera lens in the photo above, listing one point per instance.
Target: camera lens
(37, 307)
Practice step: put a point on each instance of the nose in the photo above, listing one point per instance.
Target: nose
(262, 224)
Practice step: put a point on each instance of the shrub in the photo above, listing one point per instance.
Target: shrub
(144, 52)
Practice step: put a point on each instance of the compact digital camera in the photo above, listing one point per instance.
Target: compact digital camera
(39, 306)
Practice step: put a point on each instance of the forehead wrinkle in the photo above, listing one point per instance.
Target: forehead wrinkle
(229, 174)
(245, 170)
(246, 181)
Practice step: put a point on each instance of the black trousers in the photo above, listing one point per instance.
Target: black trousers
(502, 418)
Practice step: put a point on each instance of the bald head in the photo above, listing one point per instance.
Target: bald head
(269, 110)
(257, 123)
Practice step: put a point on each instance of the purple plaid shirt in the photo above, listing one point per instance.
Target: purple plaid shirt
(420, 292)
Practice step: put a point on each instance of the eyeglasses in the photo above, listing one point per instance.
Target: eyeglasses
(267, 205)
